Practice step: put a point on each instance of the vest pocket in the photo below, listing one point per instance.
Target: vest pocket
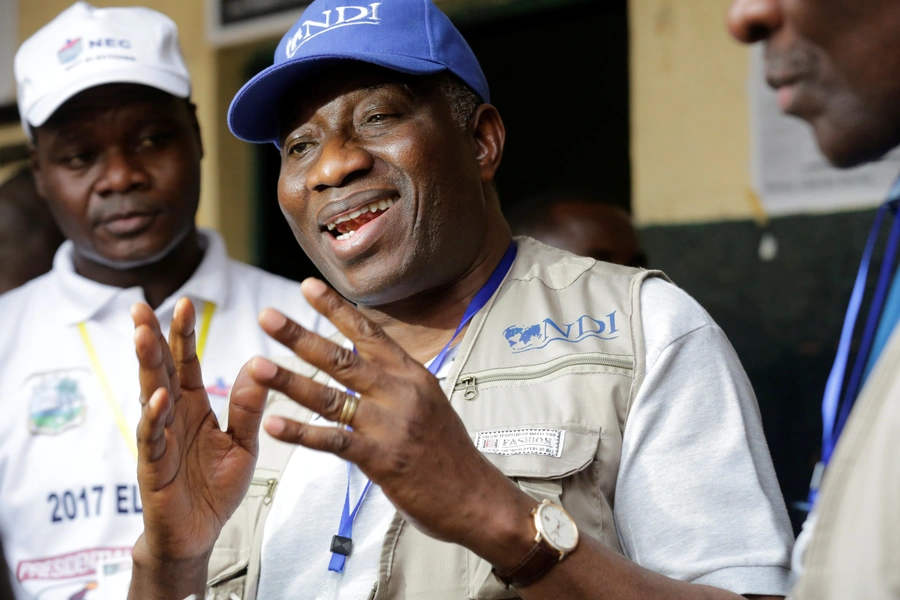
(471, 384)
(541, 476)
(230, 560)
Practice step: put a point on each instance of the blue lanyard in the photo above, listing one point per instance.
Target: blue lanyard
(342, 543)
(833, 420)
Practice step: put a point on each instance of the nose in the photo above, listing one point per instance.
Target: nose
(751, 21)
(121, 174)
(338, 161)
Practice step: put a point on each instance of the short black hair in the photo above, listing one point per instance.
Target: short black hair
(462, 98)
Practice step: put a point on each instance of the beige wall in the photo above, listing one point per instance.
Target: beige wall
(690, 152)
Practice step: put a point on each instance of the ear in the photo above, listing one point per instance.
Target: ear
(195, 125)
(489, 135)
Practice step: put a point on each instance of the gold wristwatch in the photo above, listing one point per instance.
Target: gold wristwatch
(556, 538)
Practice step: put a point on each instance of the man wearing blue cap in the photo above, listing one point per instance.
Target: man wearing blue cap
(498, 419)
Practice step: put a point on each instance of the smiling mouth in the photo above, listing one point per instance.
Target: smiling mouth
(345, 226)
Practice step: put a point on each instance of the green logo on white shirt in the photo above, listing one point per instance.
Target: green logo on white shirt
(57, 403)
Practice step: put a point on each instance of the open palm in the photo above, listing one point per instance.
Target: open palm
(192, 475)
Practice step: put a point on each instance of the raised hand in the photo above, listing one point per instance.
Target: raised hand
(405, 435)
(192, 475)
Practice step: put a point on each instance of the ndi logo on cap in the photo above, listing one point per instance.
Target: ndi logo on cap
(343, 16)
(70, 51)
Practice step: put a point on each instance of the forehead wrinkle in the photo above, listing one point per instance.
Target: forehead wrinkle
(402, 85)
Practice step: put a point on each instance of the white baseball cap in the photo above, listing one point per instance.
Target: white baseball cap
(85, 46)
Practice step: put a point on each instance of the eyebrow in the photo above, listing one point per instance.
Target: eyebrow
(65, 135)
(401, 84)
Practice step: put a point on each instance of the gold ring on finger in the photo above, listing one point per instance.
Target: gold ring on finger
(348, 410)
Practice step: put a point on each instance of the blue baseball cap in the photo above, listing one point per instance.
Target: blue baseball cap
(410, 36)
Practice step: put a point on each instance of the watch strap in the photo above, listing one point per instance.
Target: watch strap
(539, 560)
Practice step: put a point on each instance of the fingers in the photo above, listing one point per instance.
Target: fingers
(370, 340)
(151, 438)
(349, 445)
(183, 342)
(344, 365)
(156, 368)
(245, 409)
(324, 400)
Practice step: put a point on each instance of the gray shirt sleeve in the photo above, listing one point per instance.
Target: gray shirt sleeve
(697, 498)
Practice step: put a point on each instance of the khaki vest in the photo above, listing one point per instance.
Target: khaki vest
(854, 551)
(559, 349)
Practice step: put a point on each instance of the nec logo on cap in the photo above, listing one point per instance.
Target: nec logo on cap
(343, 17)
(72, 48)
(70, 51)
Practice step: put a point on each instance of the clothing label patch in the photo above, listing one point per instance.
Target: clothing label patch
(56, 401)
(545, 442)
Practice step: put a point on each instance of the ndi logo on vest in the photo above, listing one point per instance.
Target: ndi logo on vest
(535, 337)
(343, 17)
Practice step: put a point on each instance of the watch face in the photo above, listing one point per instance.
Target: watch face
(556, 527)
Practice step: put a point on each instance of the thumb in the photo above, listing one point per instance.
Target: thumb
(245, 410)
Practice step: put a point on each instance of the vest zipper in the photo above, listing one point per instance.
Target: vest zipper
(374, 590)
(469, 382)
(270, 485)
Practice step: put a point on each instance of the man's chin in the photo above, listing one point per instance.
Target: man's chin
(847, 149)
(133, 258)
(123, 263)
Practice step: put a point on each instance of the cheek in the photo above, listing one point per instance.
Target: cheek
(291, 200)
(68, 200)
(179, 179)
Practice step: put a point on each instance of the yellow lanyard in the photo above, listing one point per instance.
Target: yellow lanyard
(206, 318)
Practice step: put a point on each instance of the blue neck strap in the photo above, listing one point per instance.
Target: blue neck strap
(477, 303)
(833, 419)
(345, 530)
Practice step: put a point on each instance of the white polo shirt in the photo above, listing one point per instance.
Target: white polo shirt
(68, 488)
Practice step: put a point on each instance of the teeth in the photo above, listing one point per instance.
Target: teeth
(347, 236)
(375, 206)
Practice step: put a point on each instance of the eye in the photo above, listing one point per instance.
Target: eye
(153, 140)
(77, 159)
(378, 118)
(299, 148)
